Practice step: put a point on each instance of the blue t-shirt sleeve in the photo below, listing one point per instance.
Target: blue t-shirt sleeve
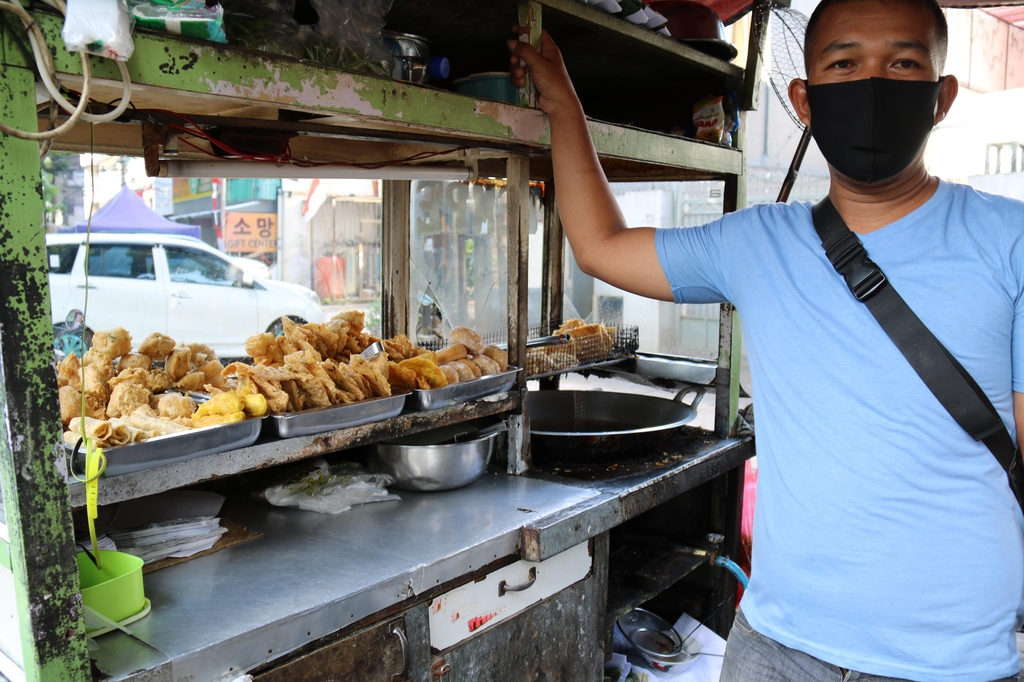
(694, 263)
(1017, 338)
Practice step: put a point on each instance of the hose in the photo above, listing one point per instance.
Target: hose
(47, 74)
(733, 568)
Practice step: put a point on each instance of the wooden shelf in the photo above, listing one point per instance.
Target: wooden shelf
(629, 587)
(368, 117)
(271, 452)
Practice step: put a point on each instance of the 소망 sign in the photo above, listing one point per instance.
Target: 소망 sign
(250, 232)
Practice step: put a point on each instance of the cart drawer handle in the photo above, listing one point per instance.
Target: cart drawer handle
(397, 630)
(504, 587)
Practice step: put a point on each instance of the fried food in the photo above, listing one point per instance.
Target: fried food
(468, 338)
(402, 377)
(486, 365)
(454, 352)
(450, 374)
(157, 381)
(403, 342)
(100, 363)
(218, 419)
(126, 397)
(254, 405)
(201, 353)
(356, 320)
(193, 381)
(428, 374)
(263, 349)
(211, 370)
(71, 405)
(96, 384)
(222, 403)
(69, 371)
(113, 342)
(144, 420)
(129, 376)
(135, 361)
(378, 380)
(461, 368)
(498, 355)
(174, 406)
(395, 352)
(347, 379)
(178, 363)
(157, 346)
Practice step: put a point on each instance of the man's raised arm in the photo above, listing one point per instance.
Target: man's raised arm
(602, 244)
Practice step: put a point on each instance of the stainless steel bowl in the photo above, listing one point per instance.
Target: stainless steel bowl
(658, 641)
(408, 45)
(429, 462)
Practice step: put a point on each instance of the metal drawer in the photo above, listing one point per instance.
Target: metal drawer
(465, 611)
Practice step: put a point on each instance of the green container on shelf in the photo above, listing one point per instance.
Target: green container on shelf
(115, 591)
(489, 85)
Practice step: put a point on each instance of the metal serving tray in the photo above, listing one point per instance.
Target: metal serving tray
(175, 447)
(308, 422)
(676, 368)
(463, 391)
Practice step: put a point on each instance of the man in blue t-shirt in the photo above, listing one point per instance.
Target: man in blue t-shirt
(888, 544)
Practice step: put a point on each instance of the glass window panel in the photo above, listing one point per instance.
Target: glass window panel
(62, 258)
(129, 261)
(197, 267)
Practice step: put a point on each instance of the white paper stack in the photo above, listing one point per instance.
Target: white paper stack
(177, 538)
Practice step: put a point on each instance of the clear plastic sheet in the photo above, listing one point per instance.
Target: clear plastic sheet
(265, 25)
(99, 27)
(327, 489)
(191, 18)
(348, 36)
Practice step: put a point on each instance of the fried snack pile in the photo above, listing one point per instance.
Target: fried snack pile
(316, 365)
(127, 398)
(464, 359)
(587, 343)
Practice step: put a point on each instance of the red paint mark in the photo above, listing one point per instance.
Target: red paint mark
(477, 622)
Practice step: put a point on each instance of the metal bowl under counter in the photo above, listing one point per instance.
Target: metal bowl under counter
(430, 461)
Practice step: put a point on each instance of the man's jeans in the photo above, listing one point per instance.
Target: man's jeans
(752, 657)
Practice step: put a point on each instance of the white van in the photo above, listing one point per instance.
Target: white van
(175, 285)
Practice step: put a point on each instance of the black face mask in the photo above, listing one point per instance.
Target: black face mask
(872, 129)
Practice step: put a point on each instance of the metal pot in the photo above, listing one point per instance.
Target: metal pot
(414, 60)
(600, 426)
(442, 459)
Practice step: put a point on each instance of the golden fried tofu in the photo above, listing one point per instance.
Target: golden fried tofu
(178, 363)
(126, 397)
(113, 342)
(211, 370)
(356, 320)
(69, 371)
(193, 381)
(175, 406)
(157, 346)
(157, 381)
(135, 361)
(201, 353)
(129, 376)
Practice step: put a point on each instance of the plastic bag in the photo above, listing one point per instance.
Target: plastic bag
(99, 27)
(266, 25)
(191, 18)
(325, 489)
(709, 119)
(348, 36)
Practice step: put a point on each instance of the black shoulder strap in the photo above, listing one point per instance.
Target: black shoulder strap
(940, 371)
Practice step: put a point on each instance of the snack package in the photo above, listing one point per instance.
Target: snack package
(328, 489)
(192, 18)
(99, 27)
(709, 119)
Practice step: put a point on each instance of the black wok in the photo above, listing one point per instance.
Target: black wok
(599, 426)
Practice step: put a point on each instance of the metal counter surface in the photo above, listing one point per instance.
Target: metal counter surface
(624, 497)
(312, 574)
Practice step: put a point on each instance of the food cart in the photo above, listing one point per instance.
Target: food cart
(365, 595)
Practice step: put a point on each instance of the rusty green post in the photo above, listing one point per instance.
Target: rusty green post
(35, 495)
(530, 25)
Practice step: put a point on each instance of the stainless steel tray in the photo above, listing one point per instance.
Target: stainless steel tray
(676, 368)
(175, 447)
(323, 419)
(463, 391)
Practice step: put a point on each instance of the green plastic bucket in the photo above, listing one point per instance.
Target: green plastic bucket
(490, 85)
(116, 590)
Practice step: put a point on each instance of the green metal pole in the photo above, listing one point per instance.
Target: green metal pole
(35, 495)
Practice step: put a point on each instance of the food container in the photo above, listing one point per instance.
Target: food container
(464, 391)
(414, 60)
(489, 85)
(115, 591)
(430, 461)
(175, 447)
(308, 422)
(658, 641)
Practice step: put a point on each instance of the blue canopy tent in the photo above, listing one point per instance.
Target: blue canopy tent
(127, 213)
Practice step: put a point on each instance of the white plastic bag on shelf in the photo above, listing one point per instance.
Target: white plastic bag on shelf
(325, 489)
(99, 27)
